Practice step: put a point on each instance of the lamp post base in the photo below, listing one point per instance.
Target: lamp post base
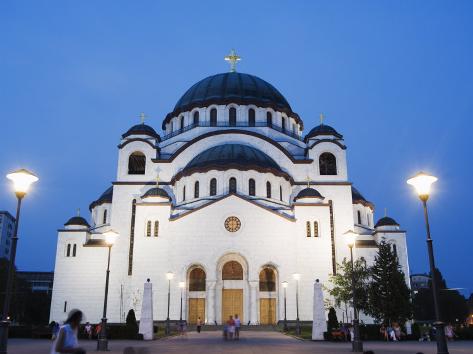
(168, 327)
(298, 328)
(102, 341)
(357, 346)
(285, 328)
(4, 325)
(442, 347)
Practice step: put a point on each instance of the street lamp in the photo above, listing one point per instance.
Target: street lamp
(102, 342)
(357, 344)
(284, 285)
(297, 277)
(22, 180)
(169, 277)
(422, 183)
(182, 285)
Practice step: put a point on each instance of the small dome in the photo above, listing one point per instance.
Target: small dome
(232, 156)
(106, 197)
(77, 221)
(232, 87)
(156, 192)
(386, 221)
(357, 198)
(322, 129)
(308, 193)
(141, 129)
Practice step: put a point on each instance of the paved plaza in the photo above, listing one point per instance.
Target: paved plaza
(250, 343)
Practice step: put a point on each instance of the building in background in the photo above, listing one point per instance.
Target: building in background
(38, 281)
(7, 225)
(420, 281)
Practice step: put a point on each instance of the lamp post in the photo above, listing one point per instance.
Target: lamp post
(22, 180)
(422, 183)
(102, 341)
(182, 285)
(284, 285)
(169, 276)
(357, 344)
(297, 277)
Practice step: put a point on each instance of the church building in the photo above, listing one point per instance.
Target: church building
(232, 206)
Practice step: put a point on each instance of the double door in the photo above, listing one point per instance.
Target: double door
(232, 304)
(196, 310)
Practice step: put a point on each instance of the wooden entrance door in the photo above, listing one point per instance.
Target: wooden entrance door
(267, 311)
(196, 310)
(232, 304)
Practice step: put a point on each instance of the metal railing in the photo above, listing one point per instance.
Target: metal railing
(235, 125)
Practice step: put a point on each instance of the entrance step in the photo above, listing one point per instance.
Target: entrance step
(243, 328)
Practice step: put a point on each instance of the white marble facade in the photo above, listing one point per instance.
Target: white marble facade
(269, 198)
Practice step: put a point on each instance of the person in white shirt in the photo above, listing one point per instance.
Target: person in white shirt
(237, 327)
(67, 341)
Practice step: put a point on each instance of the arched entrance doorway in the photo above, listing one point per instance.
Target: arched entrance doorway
(232, 296)
(197, 282)
(267, 296)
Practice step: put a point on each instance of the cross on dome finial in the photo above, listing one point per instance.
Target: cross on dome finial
(385, 212)
(78, 211)
(308, 181)
(233, 58)
(157, 180)
(143, 117)
(322, 117)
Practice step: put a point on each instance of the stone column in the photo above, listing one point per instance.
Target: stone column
(146, 318)
(254, 302)
(210, 297)
(319, 325)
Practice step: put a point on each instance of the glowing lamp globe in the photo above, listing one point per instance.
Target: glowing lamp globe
(169, 275)
(110, 237)
(182, 284)
(422, 183)
(296, 276)
(350, 238)
(285, 284)
(22, 180)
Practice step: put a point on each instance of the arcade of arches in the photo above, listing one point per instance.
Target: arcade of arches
(232, 294)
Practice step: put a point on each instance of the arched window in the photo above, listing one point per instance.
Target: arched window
(268, 190)
(181, 123)
(183, 193)
(213, 117)
(280, 193)
(68, 253)
(316, 229)
(232, 185)
(308, 229)
(196, 189)
(269, 119)
(104, 218)
(251, 187)
(232, 271)
(327, 164)
(394, 249)
(267, 280)
(283, 124)
(197, 280)
(368, 219)
(251, 117)
(196, 118)
(156, 229)
(137, 163)
(232, 116)
(359, 217)
(74, 250)
(213, 186)
(148, 229)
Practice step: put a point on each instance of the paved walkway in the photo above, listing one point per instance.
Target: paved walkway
(250, 343)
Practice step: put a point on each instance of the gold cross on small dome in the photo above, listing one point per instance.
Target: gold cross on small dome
(322, 117)
(233, 58)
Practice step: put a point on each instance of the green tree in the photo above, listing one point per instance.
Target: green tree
(388, 293)
(332, 320)
(341, 289)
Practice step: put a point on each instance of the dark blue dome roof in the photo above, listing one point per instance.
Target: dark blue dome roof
(386, 221)
(228, 156)
(156, 192)
(77, 221)
(141, 129)
(357, 198)
(323, 129)
(232, 87)
(308, 192)
(105, 197)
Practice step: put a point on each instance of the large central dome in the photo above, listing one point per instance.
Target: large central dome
(232, 87)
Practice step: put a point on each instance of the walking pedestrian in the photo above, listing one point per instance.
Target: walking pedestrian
(67, 340)
(88, 330)
(449, 332)
(231, 327)
(237, 327)
(199, 325)
(54, 326)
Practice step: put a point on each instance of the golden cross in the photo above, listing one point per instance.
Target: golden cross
(143, 117)
(322, 117)
(157, 180)
(78, 211)
(385, 211)
(308, 181)
(233, 58)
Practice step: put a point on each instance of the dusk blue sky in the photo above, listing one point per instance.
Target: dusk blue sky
(394, 77)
